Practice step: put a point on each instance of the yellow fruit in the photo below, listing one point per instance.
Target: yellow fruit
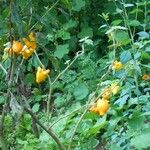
(146, 77)
(29, 44)
(106, 93)
(102, 106)
(17, 47)
(93, 108)
(117, 65)
(41, 74)
(115, 88)
(26, 53)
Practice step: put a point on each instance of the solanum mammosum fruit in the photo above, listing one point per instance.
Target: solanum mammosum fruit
(17, 47)
(94, 108)
(41, 74)
(31, 43)
(27, 52)
(102, 106)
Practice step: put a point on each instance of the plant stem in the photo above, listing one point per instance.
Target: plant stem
(45, 14)
(49, 98)
(19, 69)
(78, 54)
(10, 82)
(77, 125)
(73, 112)
(50, 132)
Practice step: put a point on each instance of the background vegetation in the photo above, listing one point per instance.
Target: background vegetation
(78, 41)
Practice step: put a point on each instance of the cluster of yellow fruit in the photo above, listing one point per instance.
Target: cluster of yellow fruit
(102, 104)
(25, 50)
(117, 65)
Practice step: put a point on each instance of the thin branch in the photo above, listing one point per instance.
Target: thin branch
(78, 54)
(19, 69)
(76, 127)
(9, 84)
(49, 98)
(67, 115)
(45, 14)
(50, 132)
(39, 59)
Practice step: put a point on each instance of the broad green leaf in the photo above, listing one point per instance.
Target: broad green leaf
(116, 22)
(145, 56)
(137, 121)
(121, 37)
(141, 142)
(78, 4)
(101, 123)
(36, 107)
(86, 32)
(2, 99)
(125, 56)
(81, 91)
(63, 34)
(121, 101)
(61, 50)
(137, 55)
(70, 24)
(143, 34)
(133, 23)
(114, 147)
(30, 79)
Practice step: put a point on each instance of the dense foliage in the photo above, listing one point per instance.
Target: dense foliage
(74, 74)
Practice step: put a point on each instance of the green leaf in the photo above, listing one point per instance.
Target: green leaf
(61, 50)
(114, 147)
(137, 121)
(101, 123)
(143, 34)
(116, 22)
(133, 23)
(141, 142)
(63, 34)
(86, 32)
(70, 24)
(78, 4)
(121, 37)
(145, 56)
(36, 107)
(30, 78)
(81, 91)
(2, 99)
(121, 101)
(125, 56)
